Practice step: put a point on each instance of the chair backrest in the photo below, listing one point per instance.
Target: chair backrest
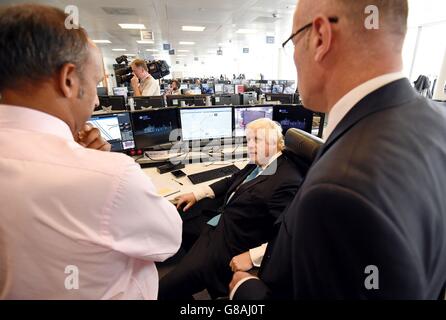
(302, 144)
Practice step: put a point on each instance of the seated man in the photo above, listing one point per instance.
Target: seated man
(254, 198)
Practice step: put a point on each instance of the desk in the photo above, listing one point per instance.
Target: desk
(166, 180)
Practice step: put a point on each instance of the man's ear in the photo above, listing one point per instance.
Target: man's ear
(69, 80)
(324, 37)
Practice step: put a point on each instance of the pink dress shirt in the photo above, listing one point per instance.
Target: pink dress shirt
(78, 223)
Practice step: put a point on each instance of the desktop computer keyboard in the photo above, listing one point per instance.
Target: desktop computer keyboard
(213, 174)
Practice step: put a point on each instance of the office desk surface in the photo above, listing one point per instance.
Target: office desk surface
(169, 181)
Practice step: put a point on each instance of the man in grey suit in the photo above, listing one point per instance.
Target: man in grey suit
(369, 221)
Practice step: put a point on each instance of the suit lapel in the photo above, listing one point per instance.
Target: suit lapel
(237, 182)
(246, 186)
(389, 96)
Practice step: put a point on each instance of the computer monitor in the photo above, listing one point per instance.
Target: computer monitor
(153, 127)
(265, 88)
(277, 88)
(244, 115)
(195, 89)
(226, 99)
(101, 91)
(186, 100)
(120, 91)
(228, 89)
(293, 116)
(248, 98)
(112, 103)
(207, 88)
(283, 98)
(218, 88)
(206, 123)
(148, 102)
(116, 128)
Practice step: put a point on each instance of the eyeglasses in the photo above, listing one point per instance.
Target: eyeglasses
(330, 19)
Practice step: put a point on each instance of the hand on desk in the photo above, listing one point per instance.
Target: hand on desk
(90, 137)
(187, 199)
(242, 262)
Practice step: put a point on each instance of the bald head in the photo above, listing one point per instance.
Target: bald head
(392, 15)
(346, 43)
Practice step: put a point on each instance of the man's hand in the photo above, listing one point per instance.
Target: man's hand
(242, 262)
(90, 137)
(187, 199)
(134, 82)
(239, 275)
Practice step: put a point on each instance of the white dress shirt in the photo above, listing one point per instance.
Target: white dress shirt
(347, 102)
(337, 113)
(67, 209)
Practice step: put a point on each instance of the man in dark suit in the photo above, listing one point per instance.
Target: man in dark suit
(369, 221)
(254, 198)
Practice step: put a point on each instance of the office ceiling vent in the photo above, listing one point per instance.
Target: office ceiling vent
(119, 11)
(266, 19)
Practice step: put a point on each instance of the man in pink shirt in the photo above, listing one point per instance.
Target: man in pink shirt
(77, 223)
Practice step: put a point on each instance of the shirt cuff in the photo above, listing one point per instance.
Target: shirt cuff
(204, 192)
(238, 284)
(257, 254)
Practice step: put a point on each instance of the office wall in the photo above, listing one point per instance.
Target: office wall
(440, 93)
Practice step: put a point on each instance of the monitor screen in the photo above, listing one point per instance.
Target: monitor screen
(101, 91)
(186, 100)
(206, 123)
(245, 115)
(293, 117)
(224, 99)
(283, 98)
(116, 128)
(153, 127)
(218, 88)
(109, 103)
(228, 89)
(147, 102)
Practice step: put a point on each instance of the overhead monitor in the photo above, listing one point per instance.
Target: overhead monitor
(116, 128)
(244, 115)
(153, 127)
(206, 123)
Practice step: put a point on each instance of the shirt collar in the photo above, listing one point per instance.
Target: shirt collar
(24, 118)
(271, 160)
(347, 102)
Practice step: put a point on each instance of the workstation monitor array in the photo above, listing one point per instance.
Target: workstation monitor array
(156, 128)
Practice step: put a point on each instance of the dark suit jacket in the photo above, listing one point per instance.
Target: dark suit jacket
(248, 218)
(375, 196)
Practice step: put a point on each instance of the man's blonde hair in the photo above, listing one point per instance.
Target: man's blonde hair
(269, 125)
(140, 63)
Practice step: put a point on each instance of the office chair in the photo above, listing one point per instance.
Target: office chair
(302, 145)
